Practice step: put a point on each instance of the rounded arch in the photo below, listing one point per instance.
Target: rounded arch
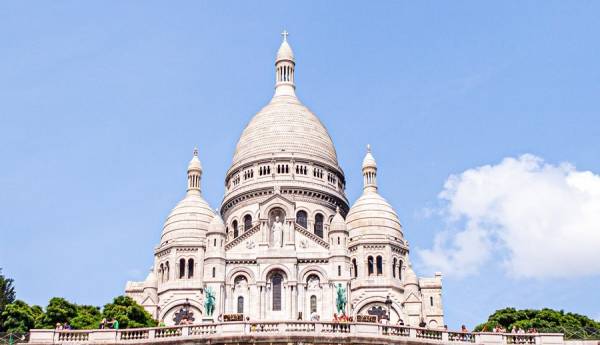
(287, 209)
(320, 210)
(241, 270)
(302, 218)
(247, 221)
(317, 270)
(287, 275)
(178, 303)
(397, 308)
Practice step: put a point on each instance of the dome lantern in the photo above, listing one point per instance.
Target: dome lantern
(369, 170)
(284, 69)
(194, 173)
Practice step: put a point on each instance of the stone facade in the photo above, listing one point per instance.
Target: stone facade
(285, 244)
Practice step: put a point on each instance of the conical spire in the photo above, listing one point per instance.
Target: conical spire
(194, 173)
(284, 69)
(369, 170)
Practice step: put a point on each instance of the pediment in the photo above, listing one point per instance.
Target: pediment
(412, 298)
(148, 301)
(278, 200)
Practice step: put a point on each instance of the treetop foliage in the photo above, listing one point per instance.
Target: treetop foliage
(574, 326)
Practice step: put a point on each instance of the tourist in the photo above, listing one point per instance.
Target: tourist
(59, 326)
(335, 318)
(161, 323)
(464, 329)
(67, 326)
(314, 316)
(400, 322)
(103, 323)
(114, 324)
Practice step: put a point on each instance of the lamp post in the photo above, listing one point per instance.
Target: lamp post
(388, 303)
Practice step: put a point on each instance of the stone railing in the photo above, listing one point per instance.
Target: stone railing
(285, 331)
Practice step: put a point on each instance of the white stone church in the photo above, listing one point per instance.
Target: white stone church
(285, 241)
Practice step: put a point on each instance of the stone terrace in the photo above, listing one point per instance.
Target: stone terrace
(284, 332)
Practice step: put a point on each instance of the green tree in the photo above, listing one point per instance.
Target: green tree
(59, 310)
(574, 326)
(18, 317)
(88, 317)
(7, 291)
(128, 313)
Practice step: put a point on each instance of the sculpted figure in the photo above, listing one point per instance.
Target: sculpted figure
(277, 230)
(209, 301)
(340, 299)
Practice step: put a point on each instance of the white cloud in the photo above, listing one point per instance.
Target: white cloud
(536, 219)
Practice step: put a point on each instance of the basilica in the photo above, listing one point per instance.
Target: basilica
(286, 244)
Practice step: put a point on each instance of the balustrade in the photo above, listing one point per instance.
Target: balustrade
(429, 334)
(134, 334)
(280, 328)
(203, 329)
(461, 337)
(78, 336)
(400, 331)
(520, 338)
(168, 332)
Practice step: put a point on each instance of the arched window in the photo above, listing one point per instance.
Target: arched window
(355, 266)
(167, 271)
(214, 272)
(301, 219)
(339, 270)
(379, 265)
(394, 268)
(190, 268)
(247, 222)
(370, 264)
(161, 272)
(181, 268)
(276, 283)
(313, 304)
(400, 270)
(214, 242)
(234, 225)
(240, 305)
(319, 225)
(431, 301)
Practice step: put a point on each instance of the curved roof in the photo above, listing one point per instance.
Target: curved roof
(285, 125)
(371, 214)
(188, 221)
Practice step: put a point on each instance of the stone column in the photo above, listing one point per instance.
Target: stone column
(301, 300)
(288, 301)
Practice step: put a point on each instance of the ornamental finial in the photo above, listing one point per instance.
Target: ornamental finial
(285, 35)
(369, 148)
(195, 151)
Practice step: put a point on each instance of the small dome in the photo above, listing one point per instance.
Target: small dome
(195, 162)
(369, 160)
(217, 224)
(338, 222)
(285, 52)
(372, 216)
(188, 221)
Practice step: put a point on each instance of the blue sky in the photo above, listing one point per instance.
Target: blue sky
(483, 117)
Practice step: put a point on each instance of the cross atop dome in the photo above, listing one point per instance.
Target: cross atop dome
(285, 66)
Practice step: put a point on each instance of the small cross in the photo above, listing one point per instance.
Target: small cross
(285, 35)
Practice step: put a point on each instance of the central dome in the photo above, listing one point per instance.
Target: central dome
(283, 127)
